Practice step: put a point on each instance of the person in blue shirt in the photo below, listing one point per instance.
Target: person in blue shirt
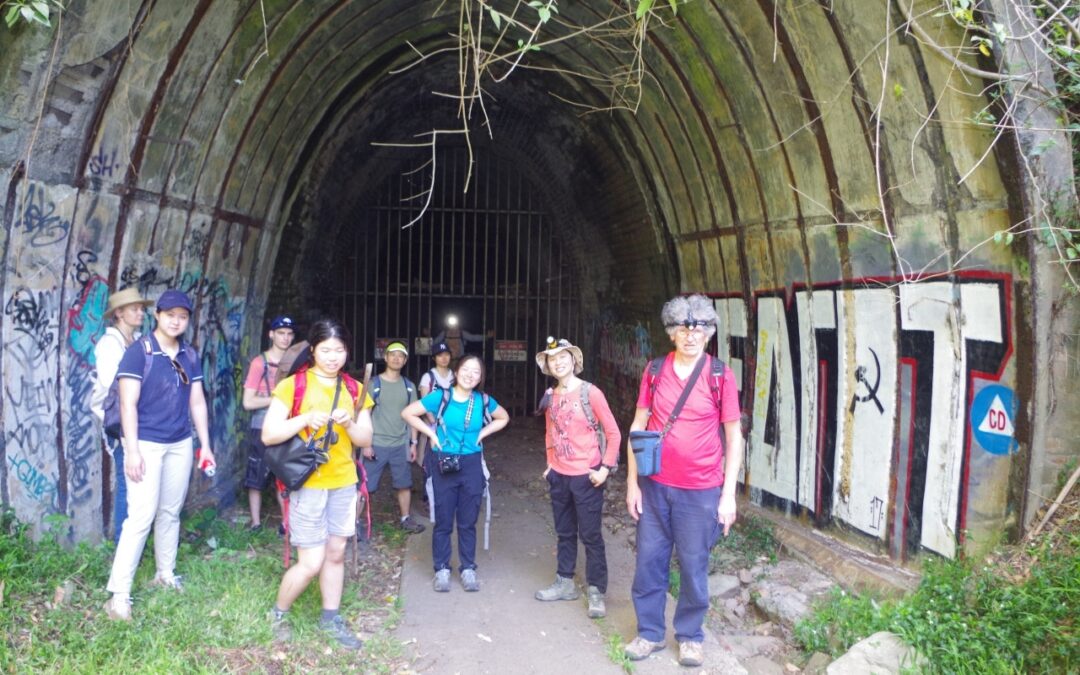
(458, 476)
(156, 414)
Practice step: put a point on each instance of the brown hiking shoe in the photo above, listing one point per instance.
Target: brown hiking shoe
(691, 653)
(639, 648)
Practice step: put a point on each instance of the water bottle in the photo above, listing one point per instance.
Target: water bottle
(207, 465)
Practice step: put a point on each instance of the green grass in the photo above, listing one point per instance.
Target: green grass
(616, 654)
(749, 542)
(965, 619)
(218, 624)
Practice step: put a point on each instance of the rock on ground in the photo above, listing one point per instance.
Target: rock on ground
(882, 653)
(787, 590)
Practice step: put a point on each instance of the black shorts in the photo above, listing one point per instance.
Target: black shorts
(257, 476)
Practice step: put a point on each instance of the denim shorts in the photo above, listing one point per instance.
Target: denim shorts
(315, 513)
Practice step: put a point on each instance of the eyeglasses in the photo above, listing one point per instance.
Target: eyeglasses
(690, 327)
(552, 343)
(180, 372)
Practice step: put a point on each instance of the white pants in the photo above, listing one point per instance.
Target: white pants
(155, 500)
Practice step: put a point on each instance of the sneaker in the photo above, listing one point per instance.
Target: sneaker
(172, 583)
(639, 648)
(691, 654)
(442, 581)
(337, 629)
(563, 588)
(117, 609)
(469, 581)
(410, 525)
(279, 626)
(597, 609)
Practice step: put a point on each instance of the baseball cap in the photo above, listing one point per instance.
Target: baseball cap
(397, 347)
(172, 298)
(281, 322)
(439, 348)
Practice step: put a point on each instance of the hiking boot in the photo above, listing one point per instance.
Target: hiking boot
(597, 609)
(563, 588)
(337, 629)
(117, 609)
(639, 648)
(410, 525)
(279, 627)
(172, 583)
(442, 581)
(691, 654)
(469, 581)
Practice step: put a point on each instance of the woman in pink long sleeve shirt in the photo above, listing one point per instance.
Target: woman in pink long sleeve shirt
(582, 443)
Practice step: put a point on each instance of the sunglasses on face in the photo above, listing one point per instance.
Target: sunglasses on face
(180, 372)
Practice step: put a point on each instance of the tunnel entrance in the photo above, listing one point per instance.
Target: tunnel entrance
(489, 256)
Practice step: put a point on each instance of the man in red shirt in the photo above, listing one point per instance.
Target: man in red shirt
(692, 498)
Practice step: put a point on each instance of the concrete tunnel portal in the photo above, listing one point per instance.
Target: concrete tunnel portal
(266, 167)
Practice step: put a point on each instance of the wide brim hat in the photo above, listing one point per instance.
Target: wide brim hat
(542, 357)
(128, 296)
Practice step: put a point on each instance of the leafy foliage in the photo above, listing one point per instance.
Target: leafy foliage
(29, 11)
(968, 619)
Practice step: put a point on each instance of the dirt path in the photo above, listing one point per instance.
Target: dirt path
(503, 629)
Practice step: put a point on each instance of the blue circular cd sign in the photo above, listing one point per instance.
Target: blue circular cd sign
(993, 415)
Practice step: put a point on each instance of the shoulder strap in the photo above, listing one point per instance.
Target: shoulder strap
(586, 407)
(351, 385)
(376, 387)
(654, 376)
(266, 372)
(148, 361)
(690, 382)
(717, 378)
(410, 390)
(445, 401)
(486, 401)
(299, 388)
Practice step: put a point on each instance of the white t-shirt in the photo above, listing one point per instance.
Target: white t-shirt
(442, 382)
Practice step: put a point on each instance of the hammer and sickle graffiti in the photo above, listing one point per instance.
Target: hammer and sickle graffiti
(871, 389)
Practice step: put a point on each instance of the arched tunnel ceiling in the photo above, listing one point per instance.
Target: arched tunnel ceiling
(755, 119)
(784, 158)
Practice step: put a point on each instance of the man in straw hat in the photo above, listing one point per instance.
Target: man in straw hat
(127, 309)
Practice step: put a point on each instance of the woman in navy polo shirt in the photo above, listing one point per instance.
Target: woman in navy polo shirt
(156, 413)
(458, 493)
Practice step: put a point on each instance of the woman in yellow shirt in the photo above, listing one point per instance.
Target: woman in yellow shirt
(322, 513)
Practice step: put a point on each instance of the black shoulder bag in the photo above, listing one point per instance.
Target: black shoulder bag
(293, 461)
(647, 445)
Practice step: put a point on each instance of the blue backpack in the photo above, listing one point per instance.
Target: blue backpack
(111, 405)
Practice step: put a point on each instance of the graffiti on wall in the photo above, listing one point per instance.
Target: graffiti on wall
(852, 385)
(625, 350)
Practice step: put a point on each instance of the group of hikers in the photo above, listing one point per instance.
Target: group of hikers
(681, 492)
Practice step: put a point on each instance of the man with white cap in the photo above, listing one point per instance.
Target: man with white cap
(127, 309)
(393, 441)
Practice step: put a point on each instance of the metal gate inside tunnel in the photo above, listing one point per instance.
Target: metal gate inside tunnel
(488, 256)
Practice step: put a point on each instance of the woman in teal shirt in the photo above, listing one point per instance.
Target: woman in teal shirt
(462, 424)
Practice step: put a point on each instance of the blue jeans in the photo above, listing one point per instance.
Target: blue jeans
(120, 497)
(687, 521)
(457, 498)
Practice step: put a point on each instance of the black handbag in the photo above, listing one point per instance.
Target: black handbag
(293, 461)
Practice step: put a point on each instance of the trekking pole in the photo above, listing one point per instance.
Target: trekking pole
(362, 490)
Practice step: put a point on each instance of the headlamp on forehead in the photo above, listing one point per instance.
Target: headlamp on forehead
(691, 323)
(552, 343)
